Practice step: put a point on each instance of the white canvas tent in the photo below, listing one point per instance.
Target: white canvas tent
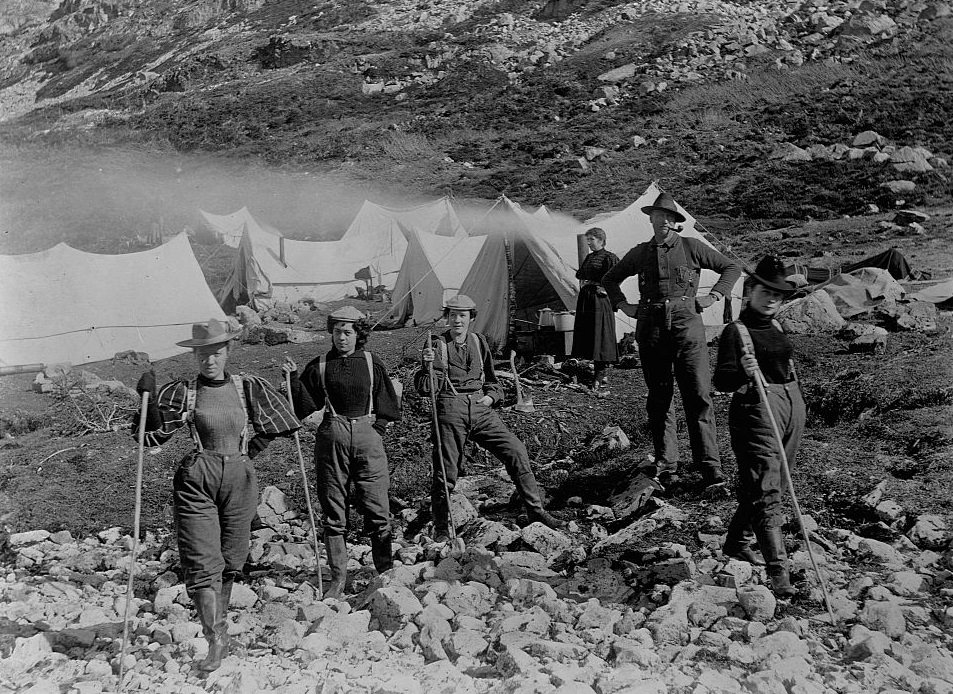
(378, 232)
(433, 269)
(228, 228)
(541, 277)
(631, 227)
(63, 304)
(269, 267)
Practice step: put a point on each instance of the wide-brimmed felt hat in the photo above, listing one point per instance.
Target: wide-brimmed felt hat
(346, 314)
(666, 203)
(211, 332)
(460, 302)
(771, 273)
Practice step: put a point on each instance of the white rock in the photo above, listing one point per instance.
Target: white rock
(394, 606)
(758, 602)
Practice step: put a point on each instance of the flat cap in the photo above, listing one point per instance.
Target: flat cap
(460, 302)
(346, 314)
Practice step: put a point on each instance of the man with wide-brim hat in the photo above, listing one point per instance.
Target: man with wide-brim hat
(753, 343)
(231, 419)
(671, 336)
(467, 389)
(352, 386)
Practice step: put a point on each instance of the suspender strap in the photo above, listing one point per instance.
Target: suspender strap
(190, 398)
(190, 414)
(322, 368)
(476, 351)
(239, 383)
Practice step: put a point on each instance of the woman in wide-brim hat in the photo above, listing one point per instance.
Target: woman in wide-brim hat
(231, 420)
(754, 343)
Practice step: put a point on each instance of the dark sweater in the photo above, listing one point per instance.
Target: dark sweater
(348, 382)
(595, 265)
(772, 349)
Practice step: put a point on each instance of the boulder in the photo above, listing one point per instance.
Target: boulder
(868, 344)
(482, 532)
(619, 74)
(393, 606)
(899, 187)
(885, 616)
(909, 159)
(868, 138)
(814, 313)
(917, 316)
(788, 151)
(548, 542)
(628, 500)
(758, 603)
(930, 532)
(612, 438)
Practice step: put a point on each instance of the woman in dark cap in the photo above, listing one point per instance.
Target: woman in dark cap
(359, 401)
(594, 328)
(756, 343)
(215, 489)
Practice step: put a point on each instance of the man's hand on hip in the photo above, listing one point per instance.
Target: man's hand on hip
(628, 309)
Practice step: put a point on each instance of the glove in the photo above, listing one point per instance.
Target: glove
(147, 382)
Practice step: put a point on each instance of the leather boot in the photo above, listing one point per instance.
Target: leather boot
(206, 605)
(739, 539)
(528, 488)
(337, 561)
(221, 622)
(776, 561)
(382, 551)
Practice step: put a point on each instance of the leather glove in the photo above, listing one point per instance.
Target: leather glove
(147, 382)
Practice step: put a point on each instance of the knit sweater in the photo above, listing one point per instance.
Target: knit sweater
(772, 349)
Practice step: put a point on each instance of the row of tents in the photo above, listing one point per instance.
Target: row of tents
(512, 262)
(63, 304)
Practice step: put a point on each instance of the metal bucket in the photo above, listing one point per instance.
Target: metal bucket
(564, 321)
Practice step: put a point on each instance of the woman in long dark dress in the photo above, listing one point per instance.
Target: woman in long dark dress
(594, 329)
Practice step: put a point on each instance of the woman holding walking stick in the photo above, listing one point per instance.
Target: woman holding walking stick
(756, 343)
(231, 420)
(359, 400)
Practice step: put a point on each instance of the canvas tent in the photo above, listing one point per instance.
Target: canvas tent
(269, 267)
(630, 227)
(432, 271)
(63, 304)
(228, 228)
(541, 277)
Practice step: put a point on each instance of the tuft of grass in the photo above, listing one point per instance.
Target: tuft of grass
(17, 422)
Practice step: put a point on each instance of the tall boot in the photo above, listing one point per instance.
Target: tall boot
(441, 515)
(206, 605)
(739, 539)
(337, 561)
(776, 561)
(528, 488)
(221, 621)
(382, 551)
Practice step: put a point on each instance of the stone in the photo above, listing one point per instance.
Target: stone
(595, 615)
(629, 679)
(758, 602)
(612, 438)
(483, 532)
(868, 138)
(627, 536)
(852, 330)
(781, 643)
(812, 314)
(462, 509)
(472, 598)
(908, 159)
(596, 579)
(27, 652)
(27, 538)
(619, 74)
(548, 542)
(788, 151)
(868, 344)
(904, 217)
(524, 592)
(919, 316)
(632, 497)
(394, 606)
(899, 187)
(880, 552)
(243, 597)
(930, 532)
(625, 650)
(465, 642)
(864, 643)
(885, 616)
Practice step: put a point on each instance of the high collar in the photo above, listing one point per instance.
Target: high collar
(755, 319)
(213, 382)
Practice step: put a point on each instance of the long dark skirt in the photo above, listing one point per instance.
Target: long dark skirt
(594, 330)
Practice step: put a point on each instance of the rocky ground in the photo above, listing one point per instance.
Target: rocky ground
(503, 615)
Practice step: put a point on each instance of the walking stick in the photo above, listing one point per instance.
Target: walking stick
(439, 450)
(762, 392)
(143, 410)
(307, 494)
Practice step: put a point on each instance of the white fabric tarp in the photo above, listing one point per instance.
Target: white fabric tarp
(324, 270)
(228, 228)
(433, 269)
(861, 290)
(938, 293)
(631, 227)
(63, 304)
